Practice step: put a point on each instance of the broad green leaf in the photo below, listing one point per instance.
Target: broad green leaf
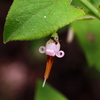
(34, 19)
(88, 34)
(47, 93)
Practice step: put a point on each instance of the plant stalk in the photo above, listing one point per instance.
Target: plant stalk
(91, 7)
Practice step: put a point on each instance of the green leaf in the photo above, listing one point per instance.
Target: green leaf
(34, 19)
(96, 3)
(79, 4)
(47, 93)
(88, 34)
(91, 7)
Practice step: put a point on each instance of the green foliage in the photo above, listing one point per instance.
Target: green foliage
(34, 19)
(47, 93)
(88, 31)
(96, 3)
(91, 7)
(77, 3)
(88, 34)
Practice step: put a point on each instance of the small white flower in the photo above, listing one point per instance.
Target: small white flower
(52, 49)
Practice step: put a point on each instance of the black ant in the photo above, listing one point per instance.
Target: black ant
(56, 42)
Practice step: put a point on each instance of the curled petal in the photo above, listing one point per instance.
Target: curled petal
(42, 49)
(60, 54)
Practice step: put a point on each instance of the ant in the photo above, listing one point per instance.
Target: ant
(56, 42)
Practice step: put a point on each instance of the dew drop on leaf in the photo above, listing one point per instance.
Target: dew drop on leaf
(45, 16)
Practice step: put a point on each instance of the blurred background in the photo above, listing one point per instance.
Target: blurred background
(21, 65)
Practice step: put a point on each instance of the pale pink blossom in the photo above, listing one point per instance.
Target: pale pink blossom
(52, 49)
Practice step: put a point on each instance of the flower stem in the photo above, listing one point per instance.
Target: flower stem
(91, 7)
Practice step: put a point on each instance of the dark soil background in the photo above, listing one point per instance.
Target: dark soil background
(20, 70)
